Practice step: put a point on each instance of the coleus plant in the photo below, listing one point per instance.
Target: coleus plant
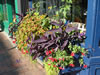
(32, 24)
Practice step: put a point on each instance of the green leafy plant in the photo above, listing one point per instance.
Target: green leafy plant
(49, 67)
(64, 10)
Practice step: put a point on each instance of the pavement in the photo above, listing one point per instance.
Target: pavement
(12, 62)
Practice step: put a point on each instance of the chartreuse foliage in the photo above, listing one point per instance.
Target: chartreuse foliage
(50, 70)
(32, 24)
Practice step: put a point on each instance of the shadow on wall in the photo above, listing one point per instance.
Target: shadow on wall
(1, 23)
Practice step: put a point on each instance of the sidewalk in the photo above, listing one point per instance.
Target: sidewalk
(13, 63)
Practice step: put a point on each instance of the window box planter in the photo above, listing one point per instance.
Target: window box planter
(55, 41)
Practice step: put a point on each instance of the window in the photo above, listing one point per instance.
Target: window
(77, 13)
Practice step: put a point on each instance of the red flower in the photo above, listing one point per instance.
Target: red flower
(72, 65)
(49, 64)
(49, 58)
(54, 66)
(55, 59)
(60, 59)
(26, 51)
(14, 41)
(47, 52)
(60, 68)
(52, 59)
(63, 59)
(50, 52)
(83, 54)
(23, 52)
(85, 66)
(72, 54)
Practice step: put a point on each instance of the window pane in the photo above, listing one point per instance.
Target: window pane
(79, 11)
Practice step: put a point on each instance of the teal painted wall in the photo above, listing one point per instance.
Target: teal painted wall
(9, 14)
(1, 10)
(6, 23)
